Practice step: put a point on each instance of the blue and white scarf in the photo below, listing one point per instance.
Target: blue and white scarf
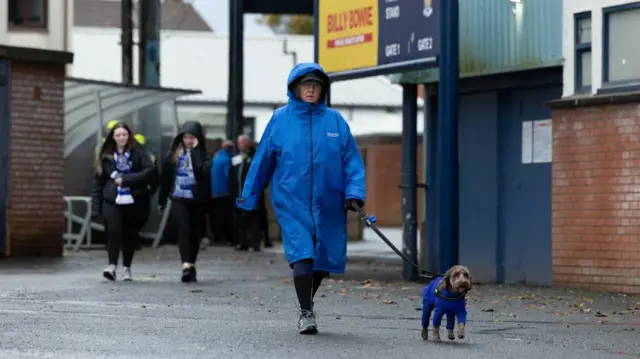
(123, 166)
(185, 179)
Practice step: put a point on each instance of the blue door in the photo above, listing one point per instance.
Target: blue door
(524, 235)
(478, 184)
(5, 139)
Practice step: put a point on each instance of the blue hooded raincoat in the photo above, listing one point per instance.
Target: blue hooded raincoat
(309, 155)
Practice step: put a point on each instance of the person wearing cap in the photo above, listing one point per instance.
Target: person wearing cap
(309, 156)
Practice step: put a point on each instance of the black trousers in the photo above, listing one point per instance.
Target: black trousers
(264, 222)
(189, 218)
(122, 224)
(221, 219)
(248, 229)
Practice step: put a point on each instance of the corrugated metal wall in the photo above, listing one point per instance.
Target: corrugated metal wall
(502, 36)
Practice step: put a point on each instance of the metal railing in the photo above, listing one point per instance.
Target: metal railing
(82, 239)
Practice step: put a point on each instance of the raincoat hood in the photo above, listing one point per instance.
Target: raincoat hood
(193, 128)
(296, 73)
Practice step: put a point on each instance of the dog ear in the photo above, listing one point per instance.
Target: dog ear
(446, 279)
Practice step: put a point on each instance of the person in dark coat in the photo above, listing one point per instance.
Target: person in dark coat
(222, 207)
(248, 229)
(185, 178)
(123, 185)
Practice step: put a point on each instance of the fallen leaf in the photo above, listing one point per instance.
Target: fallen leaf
(196, 290)
(490, 310)
(601, 315)
(388, 302)
(343, 291)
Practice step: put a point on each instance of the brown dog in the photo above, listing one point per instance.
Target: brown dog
(446, 296)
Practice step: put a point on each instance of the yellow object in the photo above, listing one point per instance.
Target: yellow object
(140, 138)
(111, 124)
(348, 34)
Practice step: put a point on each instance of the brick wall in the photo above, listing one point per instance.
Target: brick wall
(596, 197)
(35, 216)
(384, 175)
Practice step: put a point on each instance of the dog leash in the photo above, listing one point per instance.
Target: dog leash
(370, 222)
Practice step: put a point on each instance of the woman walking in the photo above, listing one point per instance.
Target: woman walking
(316, 171)
(124, 182)
(185, 178)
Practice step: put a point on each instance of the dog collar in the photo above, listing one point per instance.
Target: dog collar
(441, 295)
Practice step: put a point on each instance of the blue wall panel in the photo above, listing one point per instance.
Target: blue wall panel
(478, 151)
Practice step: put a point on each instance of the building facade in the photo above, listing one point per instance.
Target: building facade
(596, 129)
(34, 45)
(510, 67)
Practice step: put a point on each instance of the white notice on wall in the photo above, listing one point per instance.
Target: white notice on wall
(527, 142)
(542, 141)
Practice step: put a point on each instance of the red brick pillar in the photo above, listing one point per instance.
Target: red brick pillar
(35, 216)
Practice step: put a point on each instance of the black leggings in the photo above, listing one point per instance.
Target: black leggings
(306, 281)
(122, 224)
(189, 218)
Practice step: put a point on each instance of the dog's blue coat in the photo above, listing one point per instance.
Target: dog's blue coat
(454, 306)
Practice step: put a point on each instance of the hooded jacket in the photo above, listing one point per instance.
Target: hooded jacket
(199, 162)
(309, 155)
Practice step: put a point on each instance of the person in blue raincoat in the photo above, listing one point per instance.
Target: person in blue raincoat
(316, 172)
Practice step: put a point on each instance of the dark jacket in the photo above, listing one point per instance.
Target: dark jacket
(238, 175)
(199, 161)
(143, 180)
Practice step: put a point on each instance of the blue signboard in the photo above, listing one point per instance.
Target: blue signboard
(408, 31)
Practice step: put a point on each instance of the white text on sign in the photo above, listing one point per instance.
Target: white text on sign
(425, 44)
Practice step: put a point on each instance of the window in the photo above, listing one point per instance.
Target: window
(621, 55)
(28, 13)
(583, 51)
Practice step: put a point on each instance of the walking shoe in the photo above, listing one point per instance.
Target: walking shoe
(307, 322)
(186, 275)
(194, 277)
(110, 272)
(126, 274)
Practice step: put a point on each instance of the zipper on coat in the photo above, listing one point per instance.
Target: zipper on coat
(313, 235)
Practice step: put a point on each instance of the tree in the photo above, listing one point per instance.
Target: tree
(293, 24)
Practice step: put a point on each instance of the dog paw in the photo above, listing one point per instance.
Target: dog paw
(436, 335)
(451, 335)
(425, 334)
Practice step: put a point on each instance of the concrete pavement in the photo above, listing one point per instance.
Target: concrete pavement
(244, 307)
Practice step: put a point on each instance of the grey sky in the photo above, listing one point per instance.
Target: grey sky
(216, 13)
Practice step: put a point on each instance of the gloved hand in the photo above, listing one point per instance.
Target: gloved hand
(348, 204)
